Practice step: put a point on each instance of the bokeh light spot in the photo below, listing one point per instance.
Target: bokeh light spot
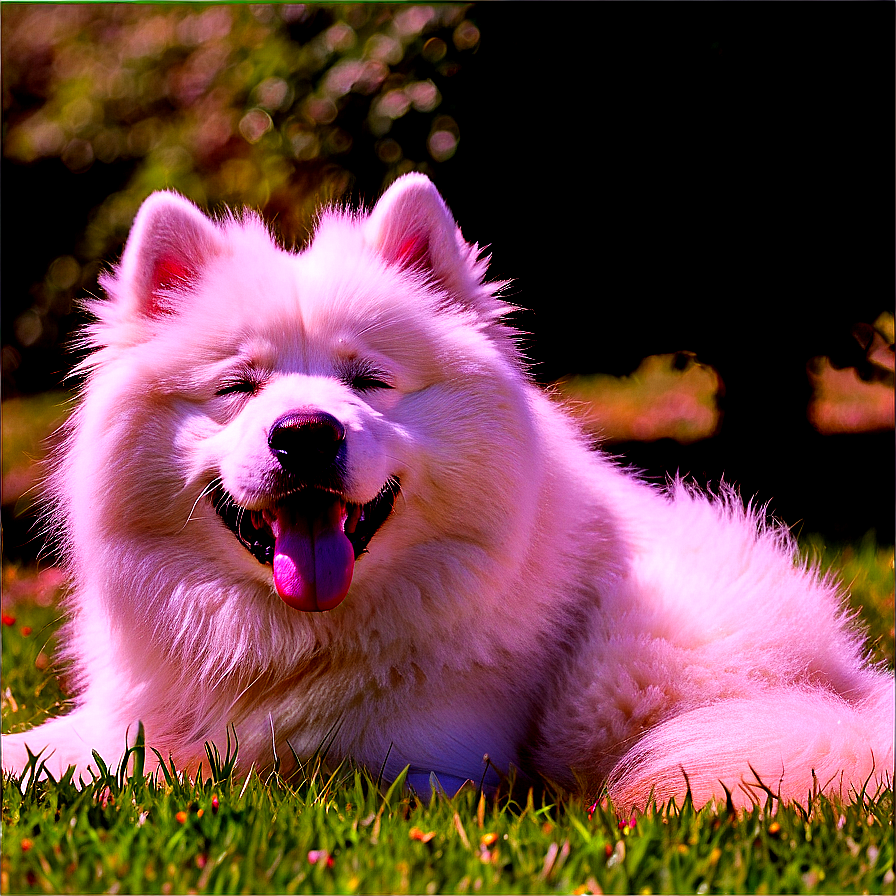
(442, 145)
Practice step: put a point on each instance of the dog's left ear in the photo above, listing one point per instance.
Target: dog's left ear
(412, 227)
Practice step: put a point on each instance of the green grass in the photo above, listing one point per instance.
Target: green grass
(342, 833)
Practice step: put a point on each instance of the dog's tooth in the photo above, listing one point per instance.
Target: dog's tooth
(354, 515)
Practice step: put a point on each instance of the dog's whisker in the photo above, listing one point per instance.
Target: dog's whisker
(204, 493)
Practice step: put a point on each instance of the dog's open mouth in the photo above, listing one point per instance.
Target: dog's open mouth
(311, 538)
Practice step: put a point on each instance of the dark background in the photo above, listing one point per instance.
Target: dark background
(712, 178)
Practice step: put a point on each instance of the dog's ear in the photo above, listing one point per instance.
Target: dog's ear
(412, 227)
(170, 243)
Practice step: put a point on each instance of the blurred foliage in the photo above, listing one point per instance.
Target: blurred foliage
(670, 396)
(674, 396)
(27, 424)
(860, 398)
(865, 568)
(275, 107)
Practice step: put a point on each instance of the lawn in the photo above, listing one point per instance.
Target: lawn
(342, 834)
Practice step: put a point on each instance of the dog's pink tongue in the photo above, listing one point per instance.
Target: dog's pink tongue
(313, 558)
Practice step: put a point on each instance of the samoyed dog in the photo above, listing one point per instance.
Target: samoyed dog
(314, 496)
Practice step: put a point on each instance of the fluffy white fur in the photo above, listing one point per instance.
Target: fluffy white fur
(526, 599)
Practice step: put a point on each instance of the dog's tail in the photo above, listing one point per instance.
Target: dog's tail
(788, 743)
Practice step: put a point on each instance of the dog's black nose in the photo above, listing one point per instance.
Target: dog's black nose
(306, 442)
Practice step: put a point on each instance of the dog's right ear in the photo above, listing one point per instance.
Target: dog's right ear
(171, 241)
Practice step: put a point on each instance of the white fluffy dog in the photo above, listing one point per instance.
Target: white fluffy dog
(315, 496)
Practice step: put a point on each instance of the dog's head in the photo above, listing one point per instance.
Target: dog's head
(297, 403)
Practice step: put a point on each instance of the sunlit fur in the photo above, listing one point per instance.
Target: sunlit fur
(528, 598)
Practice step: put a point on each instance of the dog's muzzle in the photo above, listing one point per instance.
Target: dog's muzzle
(309, 532)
